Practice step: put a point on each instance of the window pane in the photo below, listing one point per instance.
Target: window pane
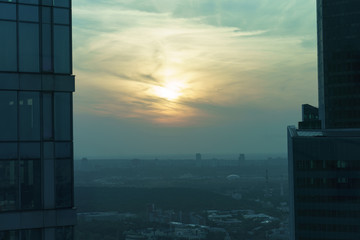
(31, 234)
(63, 183)
(8, 119)
(61, 16)
(29, 116)
(8, 151)
(63, 150)
(62, 49)
(47, 116)
(8, 185)
(46, 48)
(8, 46)
(30, 150)
(62, 116)
(64, 233)
(29, 1)
(9, 235)
(7, 11)
(46, 15)
(62, 3)
(47, 2)
(28, 13)
(30, 184)
(28, 47)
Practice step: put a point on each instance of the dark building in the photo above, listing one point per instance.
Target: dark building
(310, 117)
(339, 63)
(324, 163)
(36, 136)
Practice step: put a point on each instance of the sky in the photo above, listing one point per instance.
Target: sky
(187, 76)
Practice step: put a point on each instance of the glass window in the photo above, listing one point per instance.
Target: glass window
(31, 234)
(8, 151)
(7, 11)
(62, 3)
(47, 2)
(62, 116)
(46, 15)
(46, 48)
(30, 150)
(9, 235)
(8, 46)
(29, 1)
(29, 116)
(30, 184)
(64, 233)
(63, 150)
(8, 185)
(63, 182)
(8, 119)
(47, 116)
(28, 13)
(28, 47)
(62, 49)
(61, 16)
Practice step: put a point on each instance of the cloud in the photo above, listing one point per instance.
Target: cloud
(124, 50)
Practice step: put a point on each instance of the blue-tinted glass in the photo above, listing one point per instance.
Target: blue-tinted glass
(28, 47)
(47, 2)
(63, 150)
(46, 48)
(62, 3)
(30, 150)
(30, 184)
(8, 46)
(9, 186)
(47, 116)
(29, 1)
(61, 16)
(9, 235)
(7, 11)
(31, 234)
(63, 183)
(29, 116)
(28, 13)
(8, 119)
(62, 116)
(62, 49)
(8, 151)
(46, 15)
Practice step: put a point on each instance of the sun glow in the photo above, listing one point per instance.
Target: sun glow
(171, 90)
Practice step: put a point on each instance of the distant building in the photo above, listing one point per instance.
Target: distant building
(241, 157)
(36, 130)
(198, 156)
(310, 117)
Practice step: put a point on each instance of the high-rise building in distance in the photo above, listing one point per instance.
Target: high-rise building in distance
(36, 140)
(324, 163)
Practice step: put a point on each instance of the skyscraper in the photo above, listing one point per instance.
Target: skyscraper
(339, 63)
(324, 163)
(36, 142)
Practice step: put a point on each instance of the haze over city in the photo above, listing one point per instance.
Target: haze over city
(175, 77)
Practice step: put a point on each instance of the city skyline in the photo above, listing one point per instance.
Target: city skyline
(156, 77)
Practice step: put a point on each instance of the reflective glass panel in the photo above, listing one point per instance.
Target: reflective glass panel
(62, 49)
(29, 116)
(46, 15)
(8, 151)
(9, 235)
(30, 184)
(62, 116)
(8, 119)
(61, 16)
(8, 185)
(63, 150)
(7, 11)
(47, 116)
(28, 47)
(64, 233)
(31, 234)
(62, 3)
(8, 49)
(28, 13)
(30, 150)
(63, 182)
(46, 48)
(29, 1)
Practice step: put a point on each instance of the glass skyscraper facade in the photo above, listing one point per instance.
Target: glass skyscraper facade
(36, 140)
(324, 163)
(339, 63)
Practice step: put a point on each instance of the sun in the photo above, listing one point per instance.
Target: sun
(171, 90)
